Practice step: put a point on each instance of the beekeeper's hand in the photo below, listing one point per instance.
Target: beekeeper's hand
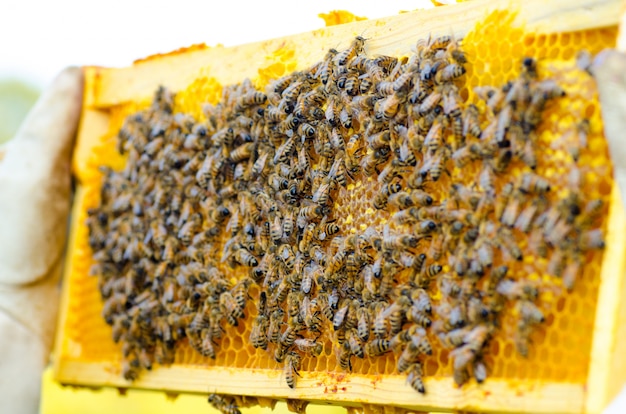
(34, 207)
(609, 70)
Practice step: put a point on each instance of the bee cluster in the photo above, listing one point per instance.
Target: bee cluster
(256, 187)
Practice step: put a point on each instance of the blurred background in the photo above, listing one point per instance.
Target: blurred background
(39, 38)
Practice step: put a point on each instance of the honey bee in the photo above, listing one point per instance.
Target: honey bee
(512, 209)
(517, 290)
(380, 321)
(309, 346)
(399, 242)
(292, 365)
(363, 324)
(344, 357)
(571, 272)
(592, 239)
(408, 357)
(377, 347)
(430, 103)
(311, 212)
(207, 347)
(471, 123)
(225, 406)
(421, 300)
(355, 343)
(506, 242)
(449, 72)
(356, 48)
(533, 184)
(414, 377)
(275, 323)
(288, 337)
(418, 316)
(231, 308)
(297, 406)
(258, 335)
(387, 108)
(244, 257)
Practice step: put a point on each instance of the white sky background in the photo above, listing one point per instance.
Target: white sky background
(38, 38)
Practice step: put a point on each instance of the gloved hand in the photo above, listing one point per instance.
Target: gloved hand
(35, 199)
(609, 69)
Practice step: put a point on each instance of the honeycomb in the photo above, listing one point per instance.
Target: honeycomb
(494, 50)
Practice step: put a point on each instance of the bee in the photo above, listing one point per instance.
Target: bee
(571, 272)
(356, 48)
(418, 316)
(435, 165)
(240, 292)
(529, 312)
(311, 212)
(345, 354)
(408, 357)
(525, 219)
(379, 140)
(324, 71)
(288, 224)
(352, 86)
(385, 88)
(306, 130)
(245, 258)
(377, 347)
(512, 209)
(387, 108)
(363, 324)
(592, 239)
(307, 238)
(219, 214)
(292, 365)
(288, 337)
(403, 83)
(380, 321)
(464, 155)
(355, 343)
(207, 347)
(249, 99)
(231, 308)
(340, 317)
(399, 242)
(414, 377)
(332, 111)
(242, 152)
(258, 167)
(430, 103)
(463, 358)
(471, 123)
(517, 290)
(325, 230)
(396, 314)
(258, 335)
(506, 242)
(309, 346)
(533, 184)
(322, 302)
(285, 149)
(276, 230)
(275, 323)
(220, 403)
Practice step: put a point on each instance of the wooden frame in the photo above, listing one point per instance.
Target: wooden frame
(394, 35)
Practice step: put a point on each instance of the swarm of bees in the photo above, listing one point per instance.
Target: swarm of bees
(255, 186)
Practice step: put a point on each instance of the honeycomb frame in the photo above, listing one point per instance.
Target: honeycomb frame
(349, 389)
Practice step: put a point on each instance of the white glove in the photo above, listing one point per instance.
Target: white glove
(609, 69)
(35, 198)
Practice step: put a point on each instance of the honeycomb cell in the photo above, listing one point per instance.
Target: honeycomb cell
(431, 368)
